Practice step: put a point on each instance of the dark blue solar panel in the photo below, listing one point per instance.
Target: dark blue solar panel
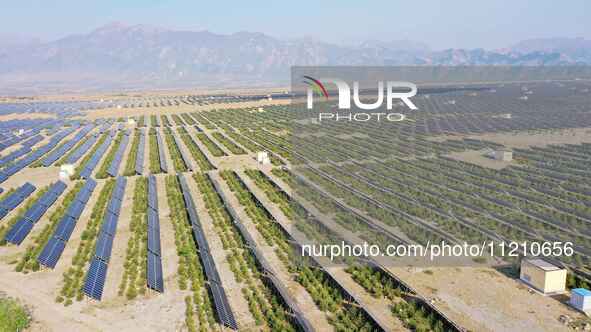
(154, 272)
(222, 307)
(95, 279)
(65, 228)
(154, 241)
(48, 200)
(153, 221)
(83, 196)
(161, 152)
(75, 209)
(35, 213)
(109, 224)
(104, 245)
(51, 252)
(114, 206)
(58, 187)
(19, 232)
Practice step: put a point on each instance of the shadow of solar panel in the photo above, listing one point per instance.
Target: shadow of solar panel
(95, 279)
(154, 273)
(65, 228)
(154, 241)
(51, 252)
(19, 232)
(222, 307)
(104, 245)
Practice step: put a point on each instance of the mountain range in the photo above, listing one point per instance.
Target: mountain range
(119, 56)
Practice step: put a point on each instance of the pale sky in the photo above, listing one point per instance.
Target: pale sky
(440, 24)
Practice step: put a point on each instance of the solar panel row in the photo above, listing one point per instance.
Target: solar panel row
(163, 167)
(14, 155)
(114, 167)
(17, 197)
(139, 160)
(96, 157)
(219, 296)
(19, 231)
(154, 271)
(81, 150)
(52, 251)
(97, 273)
(33, 140)
(62, 150)
(265, 265)
(184, 155)
(34, 155)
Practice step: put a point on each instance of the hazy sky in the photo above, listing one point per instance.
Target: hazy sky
(440, 24)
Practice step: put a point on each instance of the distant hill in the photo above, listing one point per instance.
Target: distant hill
(118, 56)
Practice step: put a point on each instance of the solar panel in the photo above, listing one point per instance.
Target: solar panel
(16, 198)
(222, 306)
(153, 221)
(95, 279)
(104, 245)
(139, 161)
(114, 206)
(152, 200)
(75, 209)
(51, 252)
(109, 224)
(154, 241)
(19, 232)
(83, 196)
(65, 228)
(161, 152)
(35, 212)
(154, 273)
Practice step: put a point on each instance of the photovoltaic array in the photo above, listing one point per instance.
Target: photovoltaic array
(154, 271)
(220, 298)
(63, 149)
(97, 272)
(139, 160)
(54, 248)
(15, 199)
(114, 167)
(96, 157)
(19, 231)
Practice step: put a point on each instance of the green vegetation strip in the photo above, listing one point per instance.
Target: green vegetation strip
(133, 281)
(190, 271)
(28, 261)
(73, 277)
(132, 155)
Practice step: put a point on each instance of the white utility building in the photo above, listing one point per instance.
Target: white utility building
(543, 276)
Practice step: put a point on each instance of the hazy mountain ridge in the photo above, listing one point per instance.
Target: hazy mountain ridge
(142, 56)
